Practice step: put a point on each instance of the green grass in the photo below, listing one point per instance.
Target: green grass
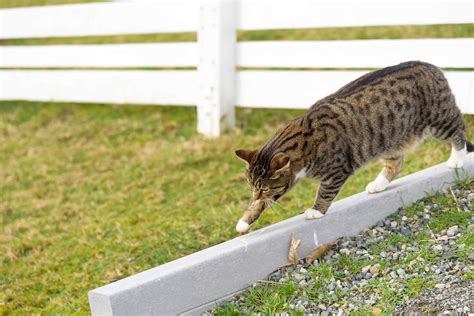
(339, 33)
(94, 193)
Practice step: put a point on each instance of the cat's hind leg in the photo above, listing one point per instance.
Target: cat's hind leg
(451, 129)
(392, 167)
(458, 152)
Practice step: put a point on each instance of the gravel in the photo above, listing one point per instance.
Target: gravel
(457, 300)
(394, 266)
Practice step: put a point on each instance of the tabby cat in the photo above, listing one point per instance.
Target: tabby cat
(379, 115)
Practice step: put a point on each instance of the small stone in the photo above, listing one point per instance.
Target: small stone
(471, 257)
(437, 247)
(303, 270)
(366, 268)
(393, 275)
(369, 301)
(440, 286)
(298, 277)
(405, 231)
(404, 218)
(383, 254)
(374, 270)
(322, 307)
(452, 231)
(393, 224)
(345, 251)
(401, 272)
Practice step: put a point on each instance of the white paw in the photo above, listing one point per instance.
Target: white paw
(313, 214)
(454, 163)
(378, 185)
(242, 226)
(456, 159)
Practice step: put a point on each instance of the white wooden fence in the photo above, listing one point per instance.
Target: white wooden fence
(216, 87)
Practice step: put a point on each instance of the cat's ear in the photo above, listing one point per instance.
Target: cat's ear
(280, 161)
(245, 155)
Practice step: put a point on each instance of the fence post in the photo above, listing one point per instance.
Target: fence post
(216, 66)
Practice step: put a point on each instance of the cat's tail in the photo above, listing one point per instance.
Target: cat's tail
(469, 146)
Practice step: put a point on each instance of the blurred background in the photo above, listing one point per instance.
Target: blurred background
(119, 122)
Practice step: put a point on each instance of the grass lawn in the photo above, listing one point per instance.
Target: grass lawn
(94, 193)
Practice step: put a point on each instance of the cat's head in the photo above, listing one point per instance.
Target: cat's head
(269, 176)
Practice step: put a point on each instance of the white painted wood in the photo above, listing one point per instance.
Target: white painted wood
(462, 85)
(100, 19)
(301, 89)
(453, 53)
(115, 55)
(134, 87)
(182, 15)
(259, 89)
(277, 14)
(216, 66)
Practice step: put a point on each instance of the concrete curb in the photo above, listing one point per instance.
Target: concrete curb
(194, 283)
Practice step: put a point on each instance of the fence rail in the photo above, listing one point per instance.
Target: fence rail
(280, 54)
(134, 17)
(216, 87)
(100, 19)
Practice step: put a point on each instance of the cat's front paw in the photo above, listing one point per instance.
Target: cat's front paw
(378, 185)
(242, 226)
(454, 163)
(313, 214)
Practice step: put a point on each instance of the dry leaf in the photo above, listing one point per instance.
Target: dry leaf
(319, 251)
(292, 254)
(376, 311)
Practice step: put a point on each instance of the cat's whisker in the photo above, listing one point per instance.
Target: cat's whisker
(279, 204)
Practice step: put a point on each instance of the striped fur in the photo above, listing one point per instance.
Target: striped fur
(379, 115)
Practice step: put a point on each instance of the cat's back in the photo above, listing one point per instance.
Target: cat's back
(383, 110)
(404, 74)
(408, 89)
